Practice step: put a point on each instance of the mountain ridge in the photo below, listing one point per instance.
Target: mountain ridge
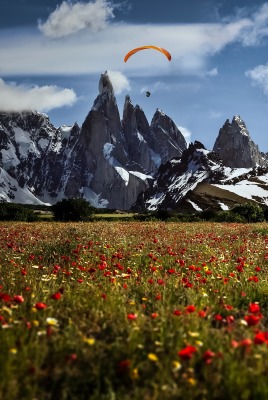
(115, 162)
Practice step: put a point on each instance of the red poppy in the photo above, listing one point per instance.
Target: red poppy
(40, 306)
(18, 299)
(190, 309)
(132, 317)
(56, 296)
(254, 308)
(171, 271)
(261, 337)
(207, 356)
(245, 342)
(187, 352)
(252, 319)
(202, 313)
(5, 297)
(177, 312)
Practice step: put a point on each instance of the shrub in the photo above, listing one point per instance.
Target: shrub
(252, 212)
(228, 216)
(72, 210)
(16, 212)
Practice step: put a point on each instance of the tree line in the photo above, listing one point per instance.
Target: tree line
(81, 210)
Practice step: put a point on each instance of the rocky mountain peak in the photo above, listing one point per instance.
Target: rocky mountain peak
(105, 84)
(106, 92)
(235, 146)
(240, 124)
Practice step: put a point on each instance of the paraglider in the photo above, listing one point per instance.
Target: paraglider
(133, 51)
(148, 94)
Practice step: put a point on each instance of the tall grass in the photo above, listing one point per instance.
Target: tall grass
(128, 310)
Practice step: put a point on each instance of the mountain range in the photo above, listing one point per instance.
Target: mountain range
(127, 163)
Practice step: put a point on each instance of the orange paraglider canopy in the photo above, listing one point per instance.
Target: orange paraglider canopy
(133, 51)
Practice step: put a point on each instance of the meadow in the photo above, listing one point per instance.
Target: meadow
(133, 310)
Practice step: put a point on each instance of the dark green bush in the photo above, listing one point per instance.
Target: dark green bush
(228, 216)
(72, 210)
(252, 212)
(16, 212)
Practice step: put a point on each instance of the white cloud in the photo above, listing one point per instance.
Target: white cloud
(186, 133)
(212, 72)
(259, 77)
(119, 81)
(252, 22)
(191, 45)
(70, 18)
(15, 97)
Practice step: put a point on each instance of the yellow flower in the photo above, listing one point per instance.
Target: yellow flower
(192, 381)
(176, 366)
(153, 357)
(13, 350)
(135, 373)
(35, 322)
(52, 321)
(193, 334)
(89, 341)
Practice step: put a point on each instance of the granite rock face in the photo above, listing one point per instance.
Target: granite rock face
(107, 161)
(235, 146)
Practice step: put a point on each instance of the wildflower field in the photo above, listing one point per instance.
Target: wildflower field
(133, 310)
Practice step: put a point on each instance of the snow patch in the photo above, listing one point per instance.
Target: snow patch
(107, 149)
(140, 137)
(26, 145)
(247, 189)
(11, 192)
(141, 175)
(234, 172)
(43, 143)
(9, 157)
(154, 201)
(94, 198)
(195, 206)
(223, 206)
(65, 131)
(123, 173)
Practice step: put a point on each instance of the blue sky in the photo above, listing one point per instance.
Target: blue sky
(53, 53)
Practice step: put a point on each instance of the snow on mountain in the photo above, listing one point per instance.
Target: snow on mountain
(199, 180)
(11, 192)
(106, 161)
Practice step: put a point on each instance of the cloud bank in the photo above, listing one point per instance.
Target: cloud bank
(41, 98)
(70, 18)
(76, 52)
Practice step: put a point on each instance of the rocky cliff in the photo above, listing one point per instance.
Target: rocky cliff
(235, 146)
(107, 161)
